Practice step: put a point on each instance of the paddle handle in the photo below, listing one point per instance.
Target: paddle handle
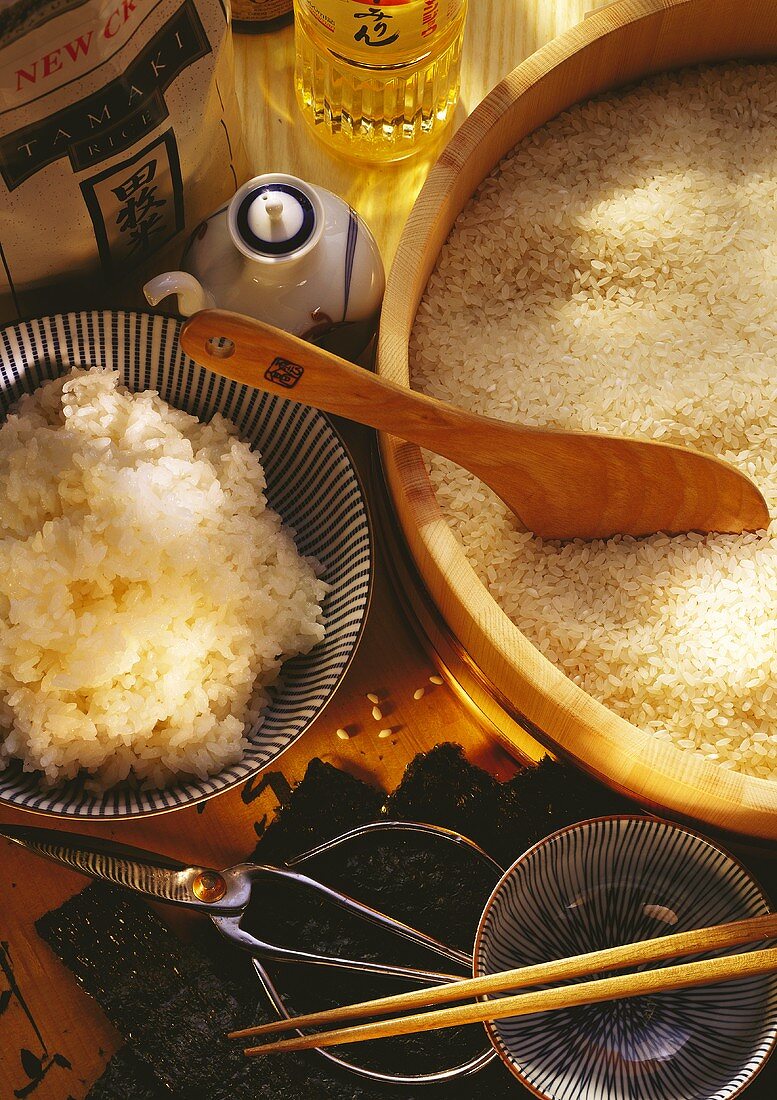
(270, 359)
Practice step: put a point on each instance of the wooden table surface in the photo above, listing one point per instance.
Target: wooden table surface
(46, 1013)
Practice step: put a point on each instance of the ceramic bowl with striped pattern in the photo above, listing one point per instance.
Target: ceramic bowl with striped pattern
(613, 881)
(311, 483)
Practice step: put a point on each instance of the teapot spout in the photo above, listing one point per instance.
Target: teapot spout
(192, 295)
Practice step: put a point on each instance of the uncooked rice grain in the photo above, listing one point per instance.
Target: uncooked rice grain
(617, 272)
(148, 593)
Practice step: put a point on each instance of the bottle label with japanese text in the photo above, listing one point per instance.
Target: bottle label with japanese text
(382, 34)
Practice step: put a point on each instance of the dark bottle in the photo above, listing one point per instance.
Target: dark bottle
(260, 16)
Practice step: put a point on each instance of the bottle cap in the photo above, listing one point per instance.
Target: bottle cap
(275, 218)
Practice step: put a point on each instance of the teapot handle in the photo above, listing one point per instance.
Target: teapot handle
(192, 295)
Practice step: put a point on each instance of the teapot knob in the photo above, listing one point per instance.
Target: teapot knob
(273, 218)
(273, 205)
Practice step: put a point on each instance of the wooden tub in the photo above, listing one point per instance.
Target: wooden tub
(522, 690)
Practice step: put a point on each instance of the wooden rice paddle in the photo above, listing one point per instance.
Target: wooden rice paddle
(560, 484)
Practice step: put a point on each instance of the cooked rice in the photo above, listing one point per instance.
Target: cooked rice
(148, 593)
(618, 272)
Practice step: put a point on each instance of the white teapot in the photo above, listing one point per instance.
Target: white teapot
(291, 254)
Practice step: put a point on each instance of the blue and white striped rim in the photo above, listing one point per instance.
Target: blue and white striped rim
(311, 483)
(612, 881)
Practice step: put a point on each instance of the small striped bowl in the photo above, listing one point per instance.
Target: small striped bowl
(311, 483)
(612, 881)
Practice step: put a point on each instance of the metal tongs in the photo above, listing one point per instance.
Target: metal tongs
(224, 897)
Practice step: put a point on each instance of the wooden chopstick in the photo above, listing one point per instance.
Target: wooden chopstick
(699, 940)
(684, 976)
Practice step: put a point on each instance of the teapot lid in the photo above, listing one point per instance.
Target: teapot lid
(275, 217)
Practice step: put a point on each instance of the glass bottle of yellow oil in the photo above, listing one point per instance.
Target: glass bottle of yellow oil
(378, 81)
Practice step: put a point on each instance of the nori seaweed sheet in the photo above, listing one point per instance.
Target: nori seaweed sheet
(173, 1001)
(326, 803)
(106, 938)
(126, 1077)
(505, 819)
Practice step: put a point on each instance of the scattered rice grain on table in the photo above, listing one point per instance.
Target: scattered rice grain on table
(617, 272)
(148, 594)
